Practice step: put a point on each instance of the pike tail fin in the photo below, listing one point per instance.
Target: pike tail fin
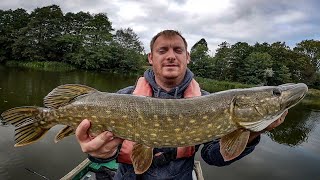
(29, 127)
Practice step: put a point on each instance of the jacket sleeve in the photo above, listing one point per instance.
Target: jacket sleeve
(126, 90)
(104, 160)
(210, 152)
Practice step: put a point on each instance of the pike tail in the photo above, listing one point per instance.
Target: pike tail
(27, 123)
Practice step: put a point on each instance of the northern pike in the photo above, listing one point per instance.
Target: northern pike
(153, 122)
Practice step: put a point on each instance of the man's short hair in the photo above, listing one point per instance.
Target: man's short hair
(167, 33)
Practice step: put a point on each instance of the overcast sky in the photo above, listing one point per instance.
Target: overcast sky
(251, 21)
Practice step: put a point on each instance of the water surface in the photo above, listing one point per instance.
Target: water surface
(291, 151)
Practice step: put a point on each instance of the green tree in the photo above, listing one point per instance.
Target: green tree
(36, 41)
(199, 51)
(263, 47)
(310, 48)
(71, 41)
(10, 23)
(256, 69)
(89, 40)
(308, 56)
(201, 63)
(317, 81)
(130, 51)
(220, 62)
(97, 31)
(75, 23)
(128, 39)
(281, 57)
(239, 52)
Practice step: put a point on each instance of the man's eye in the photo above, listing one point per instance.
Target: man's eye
(179, 51)
(161, 51)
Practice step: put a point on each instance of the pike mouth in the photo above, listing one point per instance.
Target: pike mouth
(294, 100)
(293, 94)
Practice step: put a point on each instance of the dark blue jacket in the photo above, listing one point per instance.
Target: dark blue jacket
(166, 166)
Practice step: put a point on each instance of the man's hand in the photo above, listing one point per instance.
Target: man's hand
(277, 122)
(102, 146)
(273, 125)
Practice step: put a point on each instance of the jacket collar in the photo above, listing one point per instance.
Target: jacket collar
(176, 92)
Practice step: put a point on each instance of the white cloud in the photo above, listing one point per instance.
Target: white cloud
(217, 21)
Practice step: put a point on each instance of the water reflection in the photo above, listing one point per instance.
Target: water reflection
(291, 151)
(19, 86)
(295, 128)
(311, 145)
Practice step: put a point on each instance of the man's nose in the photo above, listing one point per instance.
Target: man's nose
(171, 55)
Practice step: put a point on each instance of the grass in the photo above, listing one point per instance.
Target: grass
(45, 65)
(211, 85)
(312, 99)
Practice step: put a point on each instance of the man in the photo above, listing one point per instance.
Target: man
(169, 78)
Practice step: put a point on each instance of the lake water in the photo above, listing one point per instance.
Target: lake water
(291, 151)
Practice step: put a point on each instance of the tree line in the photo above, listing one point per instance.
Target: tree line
(88, 41)
(82, 39)
(261, 63)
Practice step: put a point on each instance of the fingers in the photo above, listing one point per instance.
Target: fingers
(281, 119)
(102, 146)
(113, 144)
(277, 122)
(107, 149)
(283, 116)
(111, 148)
(82, 131)
(98, 142)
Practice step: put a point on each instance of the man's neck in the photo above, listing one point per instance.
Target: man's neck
(168, 84)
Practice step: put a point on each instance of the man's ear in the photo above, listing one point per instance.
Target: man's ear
(188, 57)
(150, 58)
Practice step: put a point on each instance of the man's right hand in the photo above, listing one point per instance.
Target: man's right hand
(102, 146)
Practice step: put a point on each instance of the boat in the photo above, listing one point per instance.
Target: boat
(88, 170)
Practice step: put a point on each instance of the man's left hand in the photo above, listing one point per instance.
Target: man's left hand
(273, 125)
(277, 122)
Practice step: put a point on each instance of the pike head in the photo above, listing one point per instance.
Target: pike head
(256, 108)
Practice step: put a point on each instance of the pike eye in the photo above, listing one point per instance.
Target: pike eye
(276, 92)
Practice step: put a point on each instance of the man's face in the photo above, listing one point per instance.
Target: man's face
(169, 57)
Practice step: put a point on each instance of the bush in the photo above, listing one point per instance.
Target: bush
(46, 65)
(215, 86)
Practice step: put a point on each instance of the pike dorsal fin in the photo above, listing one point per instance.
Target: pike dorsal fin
(66, 131)
(64, 94)
(233, 144)
(141, 158)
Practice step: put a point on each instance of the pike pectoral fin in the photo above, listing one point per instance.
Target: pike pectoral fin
(66, 131)
(141, 158)
(64, 94)
(233, 144)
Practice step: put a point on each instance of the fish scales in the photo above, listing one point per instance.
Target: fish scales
(154, 122)
(151, 122)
